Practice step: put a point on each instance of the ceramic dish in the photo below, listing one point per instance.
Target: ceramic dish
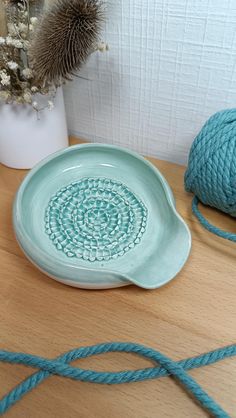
(99, 216)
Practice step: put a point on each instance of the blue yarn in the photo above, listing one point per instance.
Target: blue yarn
(211, 228)
(211, 172)
(60, 366)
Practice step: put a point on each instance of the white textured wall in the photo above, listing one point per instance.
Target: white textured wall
(171, 65)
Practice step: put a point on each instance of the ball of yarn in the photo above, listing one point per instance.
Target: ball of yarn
(211, 172)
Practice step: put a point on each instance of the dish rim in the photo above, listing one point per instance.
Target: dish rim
(29, 247)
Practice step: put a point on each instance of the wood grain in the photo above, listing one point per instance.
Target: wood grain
(193, 314)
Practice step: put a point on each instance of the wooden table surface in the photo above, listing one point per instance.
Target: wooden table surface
(193, 314)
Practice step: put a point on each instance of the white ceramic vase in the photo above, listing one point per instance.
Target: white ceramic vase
(26, 138)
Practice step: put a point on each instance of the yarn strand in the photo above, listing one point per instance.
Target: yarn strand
(211, 228)
(166, 367)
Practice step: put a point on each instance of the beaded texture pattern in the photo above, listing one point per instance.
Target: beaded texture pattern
(95, 219)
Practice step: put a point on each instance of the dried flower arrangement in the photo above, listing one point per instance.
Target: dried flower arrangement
(41, 52)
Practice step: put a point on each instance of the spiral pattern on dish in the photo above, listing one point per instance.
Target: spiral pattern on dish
(95, 219)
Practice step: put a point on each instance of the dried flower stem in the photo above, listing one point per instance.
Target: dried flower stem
(39, 54)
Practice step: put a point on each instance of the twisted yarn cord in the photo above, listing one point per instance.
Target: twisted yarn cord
(211, 172)
(60, 366)
(207, 225)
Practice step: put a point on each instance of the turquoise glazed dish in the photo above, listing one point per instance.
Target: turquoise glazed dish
(97, 216)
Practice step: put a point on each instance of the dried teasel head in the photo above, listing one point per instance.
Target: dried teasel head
(65, 37)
